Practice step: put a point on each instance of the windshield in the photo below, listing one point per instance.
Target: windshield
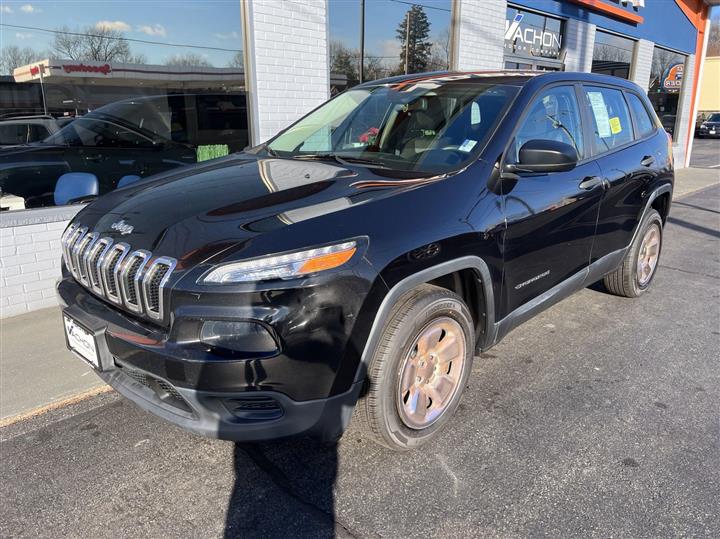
(123, 124)
(422, 127)
(714, 117)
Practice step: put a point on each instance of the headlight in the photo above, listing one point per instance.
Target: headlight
(285, 266)
(703, 125)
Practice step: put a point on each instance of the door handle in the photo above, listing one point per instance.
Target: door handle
(648, 161)
(591, 182)
(94, 158)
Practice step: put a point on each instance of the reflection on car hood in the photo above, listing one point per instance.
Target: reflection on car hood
(195, 212)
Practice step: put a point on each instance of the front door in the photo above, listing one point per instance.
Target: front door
(551, 218)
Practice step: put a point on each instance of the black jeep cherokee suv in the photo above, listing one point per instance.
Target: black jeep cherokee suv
(361, 258)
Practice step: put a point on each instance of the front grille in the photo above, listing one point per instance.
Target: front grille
(132, 279)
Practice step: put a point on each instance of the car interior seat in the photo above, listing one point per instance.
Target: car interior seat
(75, 187)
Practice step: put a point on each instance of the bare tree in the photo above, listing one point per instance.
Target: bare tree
(343, 60)
(608, 53)
(100, 44)
(13, 56)
(237, 60)
(662, 60)
(713, 46)
(188, 59)
(374, 68)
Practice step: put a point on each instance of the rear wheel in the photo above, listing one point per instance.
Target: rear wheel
(634, 276)
(419, 369)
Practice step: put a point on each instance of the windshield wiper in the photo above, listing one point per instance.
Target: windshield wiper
(343, 160)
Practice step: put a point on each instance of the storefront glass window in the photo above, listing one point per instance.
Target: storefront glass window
(400, 37)
(116, 92)
(612, 55)
(532, 41)
(666, 80)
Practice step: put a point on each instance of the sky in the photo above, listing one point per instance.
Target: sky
(195, 23)
(210, 23)
(382, 18)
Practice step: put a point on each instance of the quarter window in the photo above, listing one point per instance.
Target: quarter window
(610, 118)
(553, 116)
(645, 124)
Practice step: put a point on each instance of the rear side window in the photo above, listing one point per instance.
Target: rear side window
(644, 123)
(610, 118)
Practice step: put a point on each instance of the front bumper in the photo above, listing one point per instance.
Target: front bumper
(235, 399)
(706, 132)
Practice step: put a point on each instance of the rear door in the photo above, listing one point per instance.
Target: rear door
(629, 156)
(551, 217)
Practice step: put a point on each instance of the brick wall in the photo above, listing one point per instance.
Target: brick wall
(30, 258)
(680, 136)
(579, 43)
(288, 66)
(642, 63)
(480, 34)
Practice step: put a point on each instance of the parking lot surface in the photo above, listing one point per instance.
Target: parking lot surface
(599, 418)
(706, 153)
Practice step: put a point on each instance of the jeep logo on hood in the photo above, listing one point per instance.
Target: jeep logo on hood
(122, 227)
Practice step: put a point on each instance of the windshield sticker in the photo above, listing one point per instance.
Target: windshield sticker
(602, 118)
(615, 126)
(467, 146)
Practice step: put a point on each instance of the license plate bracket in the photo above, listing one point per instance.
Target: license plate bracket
(86, 343)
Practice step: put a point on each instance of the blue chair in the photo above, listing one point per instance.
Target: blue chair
(127, 180)
(75, 187)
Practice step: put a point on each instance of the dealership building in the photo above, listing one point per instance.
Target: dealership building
(288, 52)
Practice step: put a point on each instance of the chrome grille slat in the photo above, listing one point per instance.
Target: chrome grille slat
(87, 244)
(113, 271)
(154, 283)
(95, 261)
(130, 279)
(73, 239)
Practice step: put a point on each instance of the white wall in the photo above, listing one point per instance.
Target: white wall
(286, 61)
(579, 45)
(30, 258)
(480, 34)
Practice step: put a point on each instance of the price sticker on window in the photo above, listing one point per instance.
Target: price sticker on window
(615, 126)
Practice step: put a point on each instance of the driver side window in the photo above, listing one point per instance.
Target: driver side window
(554, 115)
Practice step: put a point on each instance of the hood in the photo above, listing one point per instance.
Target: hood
(197, 212)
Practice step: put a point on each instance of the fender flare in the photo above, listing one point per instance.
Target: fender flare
(661, 190)
(423, 276)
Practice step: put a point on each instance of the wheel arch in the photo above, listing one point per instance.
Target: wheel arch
(469, 276)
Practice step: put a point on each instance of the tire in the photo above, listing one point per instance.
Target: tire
(627, 280)
(422, 319)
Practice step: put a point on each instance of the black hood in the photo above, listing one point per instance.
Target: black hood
(196, 212)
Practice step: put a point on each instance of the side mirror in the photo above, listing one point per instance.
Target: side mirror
(544, 156)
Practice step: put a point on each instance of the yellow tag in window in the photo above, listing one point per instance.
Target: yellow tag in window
(615, 126)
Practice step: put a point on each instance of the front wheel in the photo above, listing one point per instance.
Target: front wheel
(419, 369)
(634, 276)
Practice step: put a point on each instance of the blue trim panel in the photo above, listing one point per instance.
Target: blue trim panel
(664, 22)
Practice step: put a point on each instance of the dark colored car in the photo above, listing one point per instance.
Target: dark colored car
(135, 137)
(365, 255)
(710, 126)
(26, 129)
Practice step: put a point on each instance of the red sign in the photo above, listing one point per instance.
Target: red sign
(36, 70)
(82, 68)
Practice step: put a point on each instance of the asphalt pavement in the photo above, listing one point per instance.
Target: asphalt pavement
(598, 418)
(706, 153)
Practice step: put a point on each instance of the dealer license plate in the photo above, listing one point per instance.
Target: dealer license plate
(81, 341)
